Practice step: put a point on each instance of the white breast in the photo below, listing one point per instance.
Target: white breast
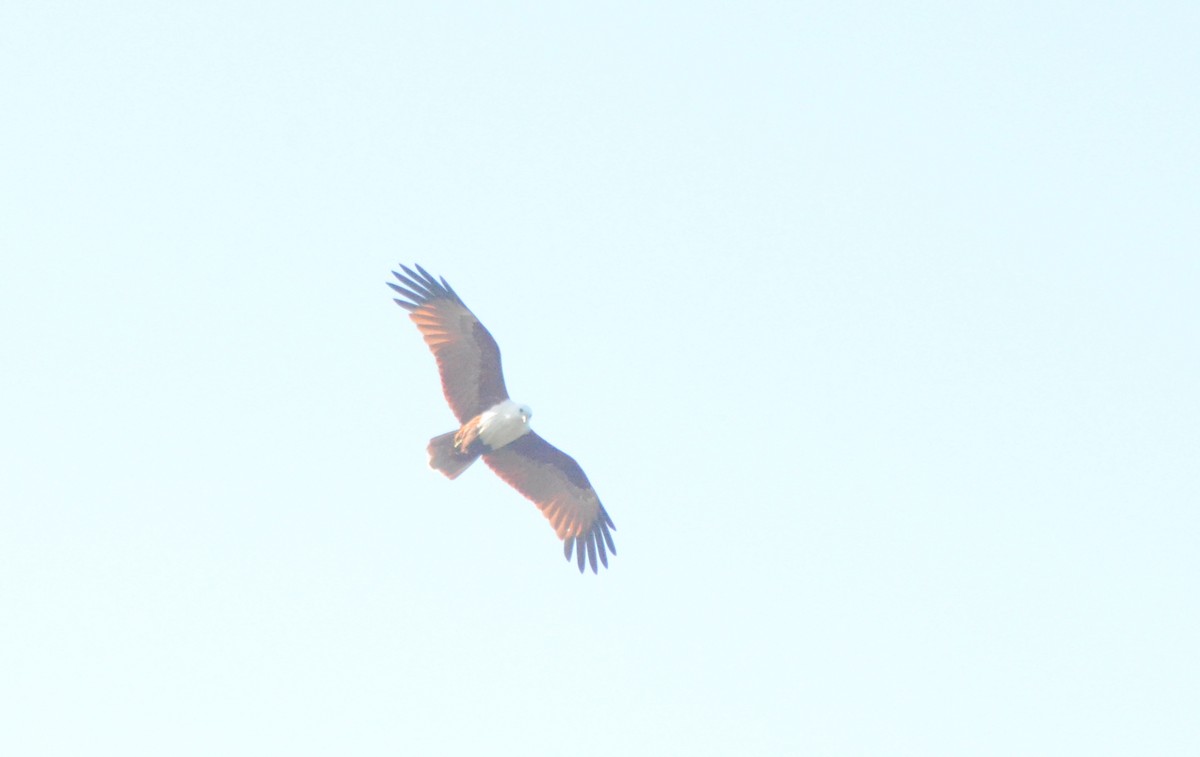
(502, 424)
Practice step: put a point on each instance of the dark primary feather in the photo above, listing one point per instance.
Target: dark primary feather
(421, 288)
(593, 542)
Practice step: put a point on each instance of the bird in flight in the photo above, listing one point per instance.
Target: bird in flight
(494, 427)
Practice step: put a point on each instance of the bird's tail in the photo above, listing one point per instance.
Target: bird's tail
(445, 457)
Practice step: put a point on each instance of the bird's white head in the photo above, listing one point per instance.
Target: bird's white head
(504, 423)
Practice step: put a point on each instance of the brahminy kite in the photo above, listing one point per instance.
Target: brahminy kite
(495, 427)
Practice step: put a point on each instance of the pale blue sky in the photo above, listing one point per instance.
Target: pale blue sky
(875, 328)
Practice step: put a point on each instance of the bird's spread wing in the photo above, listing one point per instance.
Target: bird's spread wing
(557, 485)
(467, 356)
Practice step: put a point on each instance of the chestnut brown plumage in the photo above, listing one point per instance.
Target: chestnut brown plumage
(495, 427)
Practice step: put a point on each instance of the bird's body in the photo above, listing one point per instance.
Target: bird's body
(492, 429)
(503, 423)
(493, 426)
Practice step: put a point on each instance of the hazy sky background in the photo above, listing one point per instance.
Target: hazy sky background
(876, 329)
